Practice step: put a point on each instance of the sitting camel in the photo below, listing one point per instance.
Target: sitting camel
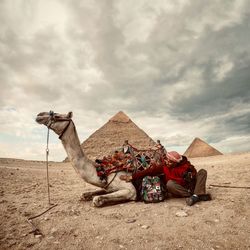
(115, 190)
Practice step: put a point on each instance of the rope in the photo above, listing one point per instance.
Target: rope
(31, 218)
(106, 186)
(36, 230)
(47, 165)
(225, 186)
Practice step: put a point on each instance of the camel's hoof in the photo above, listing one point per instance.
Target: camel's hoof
(86, 197)
(98, 201)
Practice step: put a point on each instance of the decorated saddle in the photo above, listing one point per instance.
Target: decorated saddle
(135, 160)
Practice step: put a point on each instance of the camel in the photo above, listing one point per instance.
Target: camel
(114, 190)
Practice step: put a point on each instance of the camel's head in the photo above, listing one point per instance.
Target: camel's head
(57, 122)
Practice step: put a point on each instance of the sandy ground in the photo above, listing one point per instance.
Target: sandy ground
(222, 223)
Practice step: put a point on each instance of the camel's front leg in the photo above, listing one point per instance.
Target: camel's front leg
(88, 195)
(115, 197)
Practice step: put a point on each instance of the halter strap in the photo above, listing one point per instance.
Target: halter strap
(54, 119)
(65, 129)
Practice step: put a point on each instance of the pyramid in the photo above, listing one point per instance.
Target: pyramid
(199, 148)
(111, 136)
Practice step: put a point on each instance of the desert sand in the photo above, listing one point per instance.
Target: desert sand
(222, 223)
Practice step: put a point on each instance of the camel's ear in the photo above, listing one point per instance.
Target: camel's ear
(70, 114)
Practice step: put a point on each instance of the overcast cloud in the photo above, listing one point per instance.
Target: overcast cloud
(178, 69)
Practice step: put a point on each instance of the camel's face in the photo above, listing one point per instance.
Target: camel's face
(53, 120)
(43, 118)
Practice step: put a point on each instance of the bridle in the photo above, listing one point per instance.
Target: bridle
(53, 118)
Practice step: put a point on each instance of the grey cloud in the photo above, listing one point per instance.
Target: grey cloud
(235, 125)
(216, 97)
(172, 72)
(167, 51)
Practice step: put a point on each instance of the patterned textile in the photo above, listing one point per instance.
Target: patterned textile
(152, 189)
(134, 161)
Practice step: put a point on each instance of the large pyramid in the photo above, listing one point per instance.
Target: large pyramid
(199, 148)
(112, 135)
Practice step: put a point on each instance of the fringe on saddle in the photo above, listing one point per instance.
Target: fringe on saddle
(135, 160)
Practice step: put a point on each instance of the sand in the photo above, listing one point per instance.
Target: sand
(222, 223)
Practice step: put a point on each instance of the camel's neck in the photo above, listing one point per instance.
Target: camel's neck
(83, 166)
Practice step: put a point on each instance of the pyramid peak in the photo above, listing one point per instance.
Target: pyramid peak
(197, 139)
(120, 117)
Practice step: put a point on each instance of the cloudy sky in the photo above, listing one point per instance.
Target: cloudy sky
(178, 69)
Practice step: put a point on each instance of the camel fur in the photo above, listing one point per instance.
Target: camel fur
(117, 191)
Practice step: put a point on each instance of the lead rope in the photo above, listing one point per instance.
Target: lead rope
(47, 165)
(35, 229)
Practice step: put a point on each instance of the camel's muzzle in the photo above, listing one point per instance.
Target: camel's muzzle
(39, 119)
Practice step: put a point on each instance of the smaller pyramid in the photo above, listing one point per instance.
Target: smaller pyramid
(199, 148)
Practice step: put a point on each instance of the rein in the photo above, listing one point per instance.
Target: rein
(106, 186)
(49, 123)
(35, 229)
(47, 164)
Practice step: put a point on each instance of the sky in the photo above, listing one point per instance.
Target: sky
(179, 69)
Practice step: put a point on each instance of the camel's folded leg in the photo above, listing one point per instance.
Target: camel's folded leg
(115, 197)
(88, 195)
